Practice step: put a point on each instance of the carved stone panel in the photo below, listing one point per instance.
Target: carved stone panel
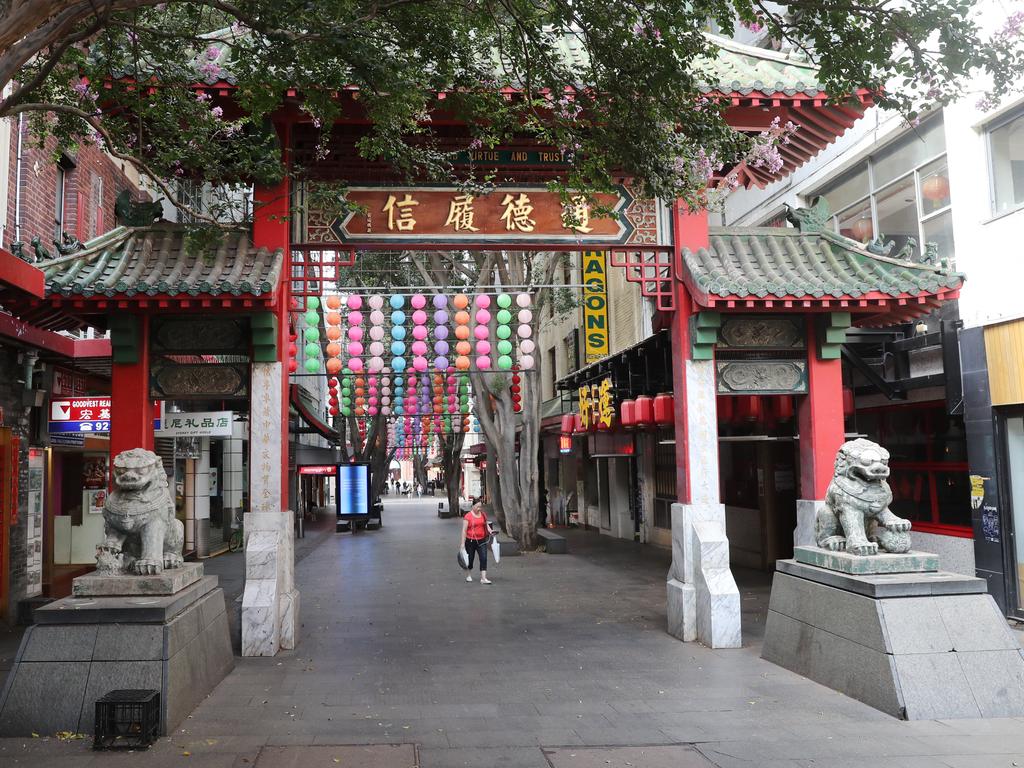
(199, 335)
(761, 332)
(761, 377)
(184, 381)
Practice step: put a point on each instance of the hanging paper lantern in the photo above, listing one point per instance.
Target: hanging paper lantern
(397, 301)
(333, 318)
(525, 316)
(333, 333)
(418, 301)
(524, 331)
(312, 317)
(312, 302)
(354, 301)
(526, 346)
(375, 301)
(312, 365)
(312, 349)
(483, 362)
(333, 302)
(293, 366)
(333, 349)
(526, 362)
(505, 362)
(311, 334)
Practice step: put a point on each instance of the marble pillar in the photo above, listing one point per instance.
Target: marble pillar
(703, 599)
(270, 602)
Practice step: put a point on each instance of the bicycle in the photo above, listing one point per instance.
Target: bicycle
(237, 540)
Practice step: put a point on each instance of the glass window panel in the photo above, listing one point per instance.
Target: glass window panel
(953, 495)
(896, 207)
(934, 187)
(940, 231)
(849, 188)
(908, 434)
(1007, 143)
(919, 145)
(1015, 460)
(855, 223)
(911, 494)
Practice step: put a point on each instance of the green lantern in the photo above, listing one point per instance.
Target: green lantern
(504, 301)
(504, 316)
(311, 334)
(504, 347)
(346, 411)
(312, 302)
(312, 365)
(312, 318)
(503, 332)
(312, 351)
(505, 362)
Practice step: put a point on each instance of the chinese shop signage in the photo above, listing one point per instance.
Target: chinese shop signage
(80, 414)
(595, 307)
(201, 424)
(520, 214)
(597, 409)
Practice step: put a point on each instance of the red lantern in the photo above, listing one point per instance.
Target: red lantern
(577, 424)
(849, 402)
(644, 411)
(293, 365)
(567, 424)
(725, 408)
(627, 413)
(333, 411)
(664, 409)
(749, 408)
(785, 408)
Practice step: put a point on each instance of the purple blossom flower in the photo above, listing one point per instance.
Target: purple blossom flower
(212, 52)
(81, 88)
(475, 144)
(202, 96)
(987, 103)
(210, 69)
(217, 112)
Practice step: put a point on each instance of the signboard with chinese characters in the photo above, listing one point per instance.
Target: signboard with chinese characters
(595, 307)
(34, 523)
(67, 383)
(80, 414)
(509, 215)
(597, 406)
(201, 424)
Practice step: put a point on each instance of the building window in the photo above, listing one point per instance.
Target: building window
(59, 203)
(664, 484)
(96, 223)
(1006, 149)
(900, 194)
(928, 464)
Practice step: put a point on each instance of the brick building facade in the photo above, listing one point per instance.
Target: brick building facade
(71, 193)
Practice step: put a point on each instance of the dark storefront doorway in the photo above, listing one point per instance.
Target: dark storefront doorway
(758, 461)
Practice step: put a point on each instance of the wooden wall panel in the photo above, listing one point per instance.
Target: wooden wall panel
(1004, 348)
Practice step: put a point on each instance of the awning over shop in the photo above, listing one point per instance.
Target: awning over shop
(813, 267)
(19, 278)
(642, 369)
(156, 266)
(308, 409)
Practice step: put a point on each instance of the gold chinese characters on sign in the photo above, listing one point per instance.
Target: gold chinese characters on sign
(597, 408)
(511, 214)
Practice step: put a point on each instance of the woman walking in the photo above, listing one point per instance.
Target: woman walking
(474, 539)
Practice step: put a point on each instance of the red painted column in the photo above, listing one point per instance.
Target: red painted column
(821, 419)
(690, 230)
(131, 408)
(272, 229)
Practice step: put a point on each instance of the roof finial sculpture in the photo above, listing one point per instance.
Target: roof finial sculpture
(813, 219)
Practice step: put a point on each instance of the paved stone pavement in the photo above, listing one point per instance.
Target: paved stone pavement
(562, 663)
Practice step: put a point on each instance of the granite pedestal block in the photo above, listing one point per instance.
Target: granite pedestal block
(918, 646)
(169, 581)
(83, 648)
(883, 562)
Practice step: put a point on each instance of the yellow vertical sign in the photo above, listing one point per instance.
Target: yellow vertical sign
(595, 307)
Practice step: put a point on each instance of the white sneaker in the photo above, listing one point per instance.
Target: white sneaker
(486, 581)
(469, 578)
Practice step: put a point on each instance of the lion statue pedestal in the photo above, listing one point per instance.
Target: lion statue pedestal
(863, 614)
(146, 619)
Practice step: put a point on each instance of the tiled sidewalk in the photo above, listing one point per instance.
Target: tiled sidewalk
(559, 664)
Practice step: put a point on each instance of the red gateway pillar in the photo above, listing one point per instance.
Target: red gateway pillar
(131, 408)
(271, 230)
(822, 431)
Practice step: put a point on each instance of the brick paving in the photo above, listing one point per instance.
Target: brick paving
(562, 663)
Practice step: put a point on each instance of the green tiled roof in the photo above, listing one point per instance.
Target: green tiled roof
(778, 262)
(737, 68)
(157, 259)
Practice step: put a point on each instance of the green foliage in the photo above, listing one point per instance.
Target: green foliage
(627, 101)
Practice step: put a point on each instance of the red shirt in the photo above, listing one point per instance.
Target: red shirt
(477, 528)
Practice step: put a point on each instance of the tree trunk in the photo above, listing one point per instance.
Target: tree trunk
(451, 463)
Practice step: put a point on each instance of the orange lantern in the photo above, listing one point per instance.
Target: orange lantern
(333, 302)
(333, 332)
(333, 318)
(333, 365)
(863, 229)
(935, 188)
(461, 301)
(333, 349)
(462, 363)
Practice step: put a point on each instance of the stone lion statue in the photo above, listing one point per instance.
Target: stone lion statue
(856, 514)
(142, 534)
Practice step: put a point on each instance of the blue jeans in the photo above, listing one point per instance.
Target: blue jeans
(477, 545)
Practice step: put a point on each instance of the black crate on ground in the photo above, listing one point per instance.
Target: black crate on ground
(127, 719)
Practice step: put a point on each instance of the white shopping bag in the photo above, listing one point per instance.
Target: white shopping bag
(495, 545)
(463, 558)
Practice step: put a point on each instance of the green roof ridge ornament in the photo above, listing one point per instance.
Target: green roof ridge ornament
(810, 220)
(136, 214)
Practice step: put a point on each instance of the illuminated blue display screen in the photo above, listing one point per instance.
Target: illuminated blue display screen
(353, 489)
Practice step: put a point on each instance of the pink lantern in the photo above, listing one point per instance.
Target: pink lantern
(480, 332)
(483, 347)
(483, 362)
(418, 301)
(419, 332)
(419, 348)
(483, 301)
(526, 362)
(419, 317)
(355, 364)
(355, 333)
(524, 331)
(355, 302)
(483, 317)
(523, 300)
(355, 318)
(419, 363)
